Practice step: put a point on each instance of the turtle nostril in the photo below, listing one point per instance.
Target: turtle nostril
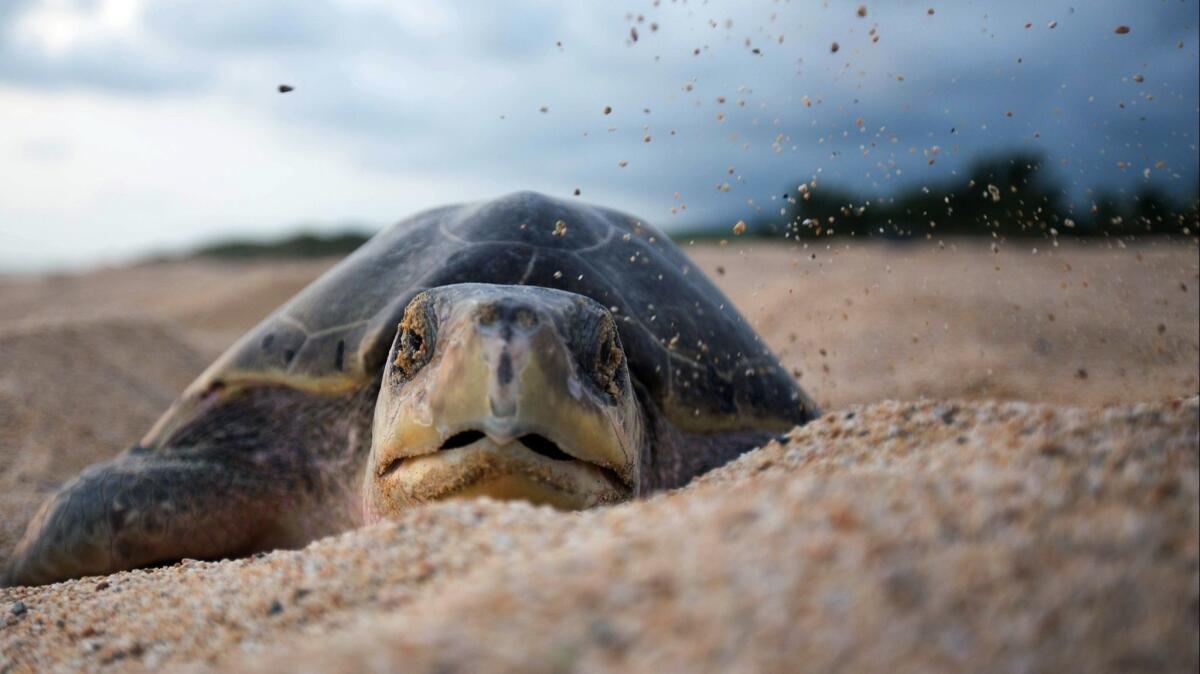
(545, 446)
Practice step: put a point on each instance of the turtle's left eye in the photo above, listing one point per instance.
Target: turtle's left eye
(414, 343)
(608, 360)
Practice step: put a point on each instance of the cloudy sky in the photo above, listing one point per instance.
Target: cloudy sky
(129, 126)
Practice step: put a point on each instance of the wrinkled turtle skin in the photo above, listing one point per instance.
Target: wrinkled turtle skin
(558, 352)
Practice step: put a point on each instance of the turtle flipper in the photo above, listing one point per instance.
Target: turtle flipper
(138, 510)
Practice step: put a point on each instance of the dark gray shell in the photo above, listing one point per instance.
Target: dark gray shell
(694, 356)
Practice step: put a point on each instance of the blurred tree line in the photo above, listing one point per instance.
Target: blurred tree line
(302, 245)
(1001, 196)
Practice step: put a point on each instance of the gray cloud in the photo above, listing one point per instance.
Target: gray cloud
(230, 26)
(1064, 99)
(109, 66)
(454, 90)
(104, 63)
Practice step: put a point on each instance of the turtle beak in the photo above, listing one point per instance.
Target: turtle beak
(504, 409)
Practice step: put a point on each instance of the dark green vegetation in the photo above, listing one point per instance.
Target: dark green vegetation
(300, 245)
(1002, 196)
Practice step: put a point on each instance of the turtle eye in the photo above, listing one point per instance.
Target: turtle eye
(414, 343)
(608, 359)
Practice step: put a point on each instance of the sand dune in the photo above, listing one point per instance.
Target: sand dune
(948, 534)
(77, 392)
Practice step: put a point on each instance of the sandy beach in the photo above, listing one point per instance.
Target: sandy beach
(1006, 478)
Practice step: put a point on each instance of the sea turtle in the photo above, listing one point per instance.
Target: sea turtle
(525, 348)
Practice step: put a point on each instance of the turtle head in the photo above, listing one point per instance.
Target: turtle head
(513, 392)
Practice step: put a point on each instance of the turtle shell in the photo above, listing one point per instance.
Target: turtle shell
(688, 348)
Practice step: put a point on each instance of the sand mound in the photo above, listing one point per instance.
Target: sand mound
(900, 537)
(74, 393)
(214, 302)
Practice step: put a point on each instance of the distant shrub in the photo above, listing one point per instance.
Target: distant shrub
(1002, 196)
(305, 245)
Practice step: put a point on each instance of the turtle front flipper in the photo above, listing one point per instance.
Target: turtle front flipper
(245, 469)
(139, 510)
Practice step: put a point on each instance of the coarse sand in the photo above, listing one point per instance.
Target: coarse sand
(1031, 502)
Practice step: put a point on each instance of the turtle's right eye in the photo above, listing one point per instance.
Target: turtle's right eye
(608, 357)
(414, 343)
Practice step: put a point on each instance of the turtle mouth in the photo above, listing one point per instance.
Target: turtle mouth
(538, 444)
(531, 467)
